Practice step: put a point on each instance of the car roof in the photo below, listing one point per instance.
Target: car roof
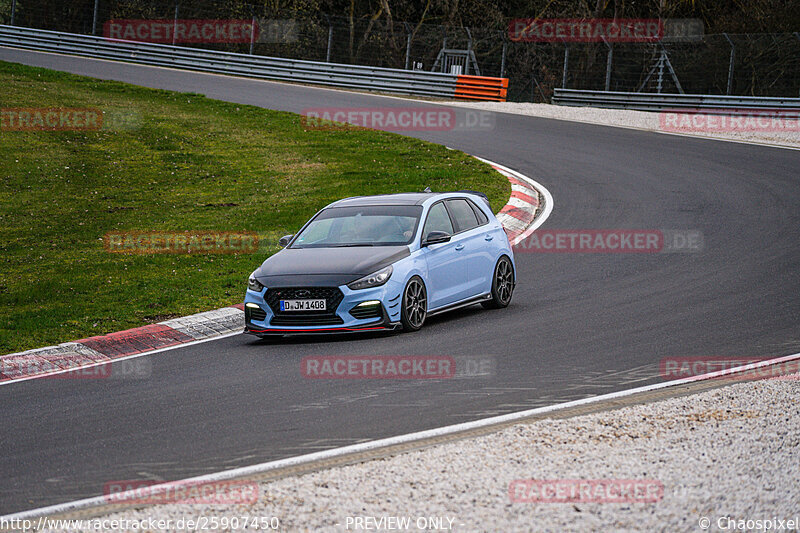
(403, 198)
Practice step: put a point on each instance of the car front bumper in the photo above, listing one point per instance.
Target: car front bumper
(259, 315)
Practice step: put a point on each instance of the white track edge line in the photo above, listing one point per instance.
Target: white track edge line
(262, 468)
(111, 361)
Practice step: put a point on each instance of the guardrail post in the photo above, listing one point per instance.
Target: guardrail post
(175, 25)
(730, 64)
(469, 51)
(408, 42)
(566, 63)
(503, 57)
(609, 60)
(797, 34)
(444, 48)
(330, 39)
(13, 11)
(94, 19)
(252, 30)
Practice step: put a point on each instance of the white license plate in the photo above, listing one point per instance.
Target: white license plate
(303, 305)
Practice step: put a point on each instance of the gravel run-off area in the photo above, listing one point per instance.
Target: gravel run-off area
(784, 132)
(731, 453)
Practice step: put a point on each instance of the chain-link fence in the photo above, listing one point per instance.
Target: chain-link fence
(741, 64)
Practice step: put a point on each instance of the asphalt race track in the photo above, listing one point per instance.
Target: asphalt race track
(579, 324)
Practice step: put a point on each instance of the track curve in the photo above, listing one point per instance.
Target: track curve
(579, 325)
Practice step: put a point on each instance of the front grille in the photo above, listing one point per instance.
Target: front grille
(314, 319)
(332, 296)
(371, 311)
(251, 314)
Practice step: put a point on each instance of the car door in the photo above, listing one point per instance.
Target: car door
(472, 235)
(493, 238)
(447, 273)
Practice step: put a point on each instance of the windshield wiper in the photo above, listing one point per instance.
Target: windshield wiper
(353, 244)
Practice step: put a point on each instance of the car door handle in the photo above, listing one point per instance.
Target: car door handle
(459, 246)
(489, 237)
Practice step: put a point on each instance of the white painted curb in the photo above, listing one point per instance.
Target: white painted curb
(545, 198)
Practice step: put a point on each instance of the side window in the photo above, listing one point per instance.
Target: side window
(482, 218)
(438, 220)
(463, 215)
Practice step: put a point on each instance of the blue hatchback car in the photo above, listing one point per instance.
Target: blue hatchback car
(377, 262)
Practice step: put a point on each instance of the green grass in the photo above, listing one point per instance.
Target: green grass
(167, 161)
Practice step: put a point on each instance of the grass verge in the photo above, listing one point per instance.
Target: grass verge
(171, 162)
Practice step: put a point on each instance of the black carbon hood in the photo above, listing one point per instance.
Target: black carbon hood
(326, 266)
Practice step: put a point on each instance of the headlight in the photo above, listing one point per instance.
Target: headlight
(376, 279)
(253, 284)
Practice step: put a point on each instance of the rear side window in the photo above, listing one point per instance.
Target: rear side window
(463, 215)
(482, 218)
(438, 220)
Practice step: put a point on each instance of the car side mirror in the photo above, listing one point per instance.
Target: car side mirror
(285, 240)
(435, 237)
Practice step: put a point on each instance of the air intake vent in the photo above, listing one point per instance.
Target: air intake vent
(252, 313)
(306, 320)
(366, 311)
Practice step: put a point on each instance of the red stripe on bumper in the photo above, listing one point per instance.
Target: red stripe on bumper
(321, 330)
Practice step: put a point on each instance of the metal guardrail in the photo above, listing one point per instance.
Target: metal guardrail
(412, 82)
(481, 88)
(661, 101)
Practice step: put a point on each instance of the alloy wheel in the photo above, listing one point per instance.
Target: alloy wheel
(416, 303)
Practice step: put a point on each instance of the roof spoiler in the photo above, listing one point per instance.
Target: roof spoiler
(467, 191)
(477, 193)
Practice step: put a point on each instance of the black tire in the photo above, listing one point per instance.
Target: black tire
(414, 307)
(503, 282)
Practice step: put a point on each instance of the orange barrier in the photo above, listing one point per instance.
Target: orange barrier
(481, 88)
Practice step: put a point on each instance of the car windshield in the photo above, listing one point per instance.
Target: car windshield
(375, 225)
